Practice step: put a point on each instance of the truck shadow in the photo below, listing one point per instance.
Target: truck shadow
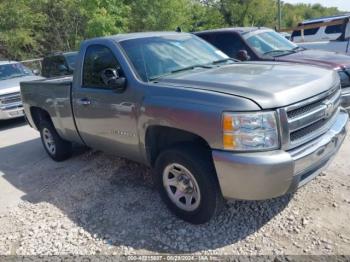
(114, 199)
(12, 123)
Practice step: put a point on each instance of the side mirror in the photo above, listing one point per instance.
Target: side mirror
(62, 68)
(347, 32)
(111, 78)
(243, 55)
(36, 72)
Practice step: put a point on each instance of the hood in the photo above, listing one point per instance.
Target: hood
(331, 60)
(12, 85)
(270, 85)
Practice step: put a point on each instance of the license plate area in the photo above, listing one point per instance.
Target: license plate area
(19, 112)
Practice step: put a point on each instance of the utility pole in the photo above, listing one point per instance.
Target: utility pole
(279, 15)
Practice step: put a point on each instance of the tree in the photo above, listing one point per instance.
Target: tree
(64, 23)
(105, 17)
(20, 29)
(32, 28)
(247, 12)
(157, 15)
(204, 15)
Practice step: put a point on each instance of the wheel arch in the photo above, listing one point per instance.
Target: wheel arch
(38, 115)
(159, 137)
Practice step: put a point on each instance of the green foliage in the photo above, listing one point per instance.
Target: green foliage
(31, 28)
(247, 12)
(19, 24)
(152, 15)
(204, 15)
(61, 24)
(104, 17)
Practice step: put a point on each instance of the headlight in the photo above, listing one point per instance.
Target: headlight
(344, 78)
(250, 131)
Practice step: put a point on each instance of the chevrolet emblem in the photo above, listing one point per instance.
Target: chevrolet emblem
(329, 108)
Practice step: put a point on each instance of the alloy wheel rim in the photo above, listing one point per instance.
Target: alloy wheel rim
(48, 141)
(181, 187)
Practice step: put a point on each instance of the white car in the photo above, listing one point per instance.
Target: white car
(342, 47)
(11, 74)
(334, 37)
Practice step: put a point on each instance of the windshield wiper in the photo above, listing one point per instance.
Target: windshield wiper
(189, 68)
(179, 70)
(224, 60)
(298, 48)
(280, 51)
(15, 76)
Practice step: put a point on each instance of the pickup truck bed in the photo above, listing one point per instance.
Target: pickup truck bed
(54, 96)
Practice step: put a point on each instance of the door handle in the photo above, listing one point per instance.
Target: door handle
(84, 101)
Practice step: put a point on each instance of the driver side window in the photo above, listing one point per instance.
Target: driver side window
(97, 59)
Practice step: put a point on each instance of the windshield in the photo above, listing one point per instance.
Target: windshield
(71, 58)
(270, 42)
(154, 57)
(14, 70)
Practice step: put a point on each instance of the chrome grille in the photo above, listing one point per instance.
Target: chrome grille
(303, 110)
(309, 119)
(296, 135)
(10, 98)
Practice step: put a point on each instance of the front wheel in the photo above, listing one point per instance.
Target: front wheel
(57, 148)
(187, 183)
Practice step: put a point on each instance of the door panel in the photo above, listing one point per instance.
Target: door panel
(106, 119)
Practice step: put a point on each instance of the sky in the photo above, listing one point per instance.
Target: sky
(343, 5)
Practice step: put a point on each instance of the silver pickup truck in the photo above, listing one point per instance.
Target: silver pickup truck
(210, 127)
(11, 74)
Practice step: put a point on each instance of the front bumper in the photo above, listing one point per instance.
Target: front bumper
(11, 111)
(264, 175)
(345, 98)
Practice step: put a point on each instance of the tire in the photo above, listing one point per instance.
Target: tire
(57, 148)
(196, 205)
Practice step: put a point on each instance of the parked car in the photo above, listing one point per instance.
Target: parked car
(11, 74)
(264, 44)
(58, 64)
(210, 127)
(328, 37)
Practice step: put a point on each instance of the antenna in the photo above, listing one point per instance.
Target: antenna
(279, 15)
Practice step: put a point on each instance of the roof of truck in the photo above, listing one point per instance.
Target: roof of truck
(240, 30)
(55, 53)
(6, 62)
(122, 37)
(326, 18)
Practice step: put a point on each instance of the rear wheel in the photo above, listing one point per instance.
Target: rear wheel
(187, 183)
(57, 148)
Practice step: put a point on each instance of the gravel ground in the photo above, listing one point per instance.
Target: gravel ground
(100, 204)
